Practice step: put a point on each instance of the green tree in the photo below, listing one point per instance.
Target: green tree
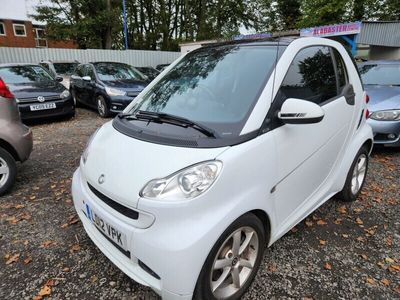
(288, 12)
(323, 12)
(88, 22)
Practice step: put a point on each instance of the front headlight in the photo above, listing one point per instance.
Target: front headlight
(115, 92)
(185, 184)
(65, 94)
(386, 115)
(86, 151)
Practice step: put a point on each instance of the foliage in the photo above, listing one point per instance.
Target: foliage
(163, 24)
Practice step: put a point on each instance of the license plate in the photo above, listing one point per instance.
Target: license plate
(109, 230)
(43, 106)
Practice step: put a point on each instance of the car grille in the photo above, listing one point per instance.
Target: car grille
(130, 213)
(35, 100)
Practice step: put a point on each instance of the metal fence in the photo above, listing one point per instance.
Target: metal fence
(137, 58)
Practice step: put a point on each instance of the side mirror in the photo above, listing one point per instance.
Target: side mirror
(87, 78)
(297, 111)
(59, 78)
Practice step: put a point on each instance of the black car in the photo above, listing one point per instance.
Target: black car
(162, 67)
(107, 86)
(38, 94)
(150, 72)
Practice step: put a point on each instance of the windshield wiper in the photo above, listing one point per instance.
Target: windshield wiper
(170, 119)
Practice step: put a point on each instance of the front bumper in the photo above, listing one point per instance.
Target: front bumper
(119, 103)
(382, 131)
(63, 107)
(144, 240)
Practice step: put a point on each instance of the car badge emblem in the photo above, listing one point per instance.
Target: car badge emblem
(40, 99)
(101, 179)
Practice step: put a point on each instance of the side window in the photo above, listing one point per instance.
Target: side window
(311, 76)
(341, 70)
(90, 72)
(80, 71)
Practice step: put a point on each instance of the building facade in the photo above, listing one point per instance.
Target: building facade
(24, 34)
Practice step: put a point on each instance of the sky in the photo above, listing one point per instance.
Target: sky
(18, 9)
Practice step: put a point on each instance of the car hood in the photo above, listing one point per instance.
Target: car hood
(36, 89)
(127, 85)
(383, 97)
(128, 168)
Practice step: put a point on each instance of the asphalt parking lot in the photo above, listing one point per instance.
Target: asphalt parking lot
(346, 251)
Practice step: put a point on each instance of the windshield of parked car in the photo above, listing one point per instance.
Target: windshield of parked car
(114, 72)
(65, 68)
(380, 74)
(216, 87)
(24, 74)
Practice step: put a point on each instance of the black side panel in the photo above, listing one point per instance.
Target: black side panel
(348, 93)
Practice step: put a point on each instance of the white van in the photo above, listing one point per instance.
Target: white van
(221, 155)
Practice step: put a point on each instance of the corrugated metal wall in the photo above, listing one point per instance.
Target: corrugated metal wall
(137, 58)
(380, 34)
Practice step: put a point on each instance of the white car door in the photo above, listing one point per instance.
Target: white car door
(308, 152)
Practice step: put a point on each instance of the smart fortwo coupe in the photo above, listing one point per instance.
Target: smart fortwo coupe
(219, 157)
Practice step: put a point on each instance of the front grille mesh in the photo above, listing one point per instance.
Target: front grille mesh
(35, 100)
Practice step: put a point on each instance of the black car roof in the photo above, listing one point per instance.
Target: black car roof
(108, 62)
(18, 65)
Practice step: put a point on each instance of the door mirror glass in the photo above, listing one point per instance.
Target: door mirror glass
(297, 111)
(87, 78)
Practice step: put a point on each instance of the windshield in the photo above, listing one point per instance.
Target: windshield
(380, 74)
(24, 74)
(113, 72)
(65, 68)
(215, 87)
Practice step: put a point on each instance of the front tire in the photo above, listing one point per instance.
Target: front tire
(8, 171)
(356, 177)
(233, 261)
(102, 107)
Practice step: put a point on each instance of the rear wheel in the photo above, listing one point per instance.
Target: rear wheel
(233, 262)
(102, 107)
(356, 177)
(8, 171)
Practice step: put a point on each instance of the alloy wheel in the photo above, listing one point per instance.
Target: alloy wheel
(4, 172)
(101, 106)
(234, 262)
(359, 173)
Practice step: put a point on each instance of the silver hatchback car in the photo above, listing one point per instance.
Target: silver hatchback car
(15, 139)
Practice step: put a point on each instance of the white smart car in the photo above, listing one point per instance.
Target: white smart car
(222, 154)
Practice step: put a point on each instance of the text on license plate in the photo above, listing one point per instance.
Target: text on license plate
(109, 230)
(43, 106)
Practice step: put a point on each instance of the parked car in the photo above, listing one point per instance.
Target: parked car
(382, 84)
(161, 67)
(107, 86)
(150, 72)
(15, 139)
(37, 93)
(61, 68)
(222, 159)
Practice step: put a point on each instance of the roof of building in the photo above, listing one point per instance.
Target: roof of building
(380, 33)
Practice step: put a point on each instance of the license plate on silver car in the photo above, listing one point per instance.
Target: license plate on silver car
(43, 106)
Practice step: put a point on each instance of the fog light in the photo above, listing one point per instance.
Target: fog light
(114, 107)
(391, 136)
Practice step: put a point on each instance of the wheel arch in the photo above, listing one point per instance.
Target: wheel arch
(10, 149)
(264, 218)
(370, 145)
